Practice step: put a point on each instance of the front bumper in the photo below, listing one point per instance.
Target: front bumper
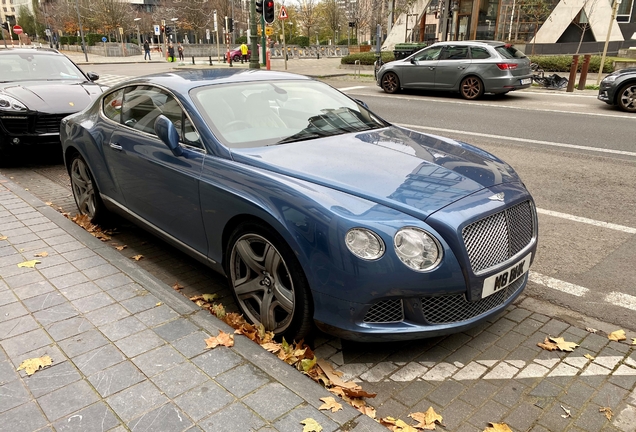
(605, 95)
(18, 129)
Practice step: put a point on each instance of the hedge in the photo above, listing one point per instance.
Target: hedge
(367, 58)
(561, 63)
(93, 38)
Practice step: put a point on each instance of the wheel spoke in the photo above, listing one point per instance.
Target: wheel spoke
(268, 318)
(284, 297)
(249, 257)
(248, 287)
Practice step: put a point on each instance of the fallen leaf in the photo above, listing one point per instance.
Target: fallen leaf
(367, 410)
(271, 346)
(567, 412)
(427, 420)
(209, 297)
(218, 310)
(334, 377)
(48, 203)
(137, 257)
(311, 425)
(223, 338)
(498, 427)
(551, 343)
(591, 330)
(633, 341)
(121, 248)
(3, 237)
(158, 304)
(589, 357)
(397, 425)
(607, 411)
(616, 336)
(32, 365)
(41, 254)
(307, 364)
(176, 286)
(330, 404)
(29, 264)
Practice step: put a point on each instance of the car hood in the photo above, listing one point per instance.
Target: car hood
(403, 169)
(53, 96)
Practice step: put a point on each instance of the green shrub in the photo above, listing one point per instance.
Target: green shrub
(241, 39)
(93, 38)
(302, 41)
(367, 58)
(345, 41)
(562, 63)
(64, 40)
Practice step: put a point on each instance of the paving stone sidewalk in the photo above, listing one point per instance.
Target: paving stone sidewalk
(128, 351)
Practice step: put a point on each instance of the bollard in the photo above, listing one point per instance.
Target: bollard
(192, 59)
(318, 56)
(210, 58)
(224, 59)
(573, 67)
(584, 68)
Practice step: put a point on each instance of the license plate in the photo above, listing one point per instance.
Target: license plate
(526, 81)
(502, 279)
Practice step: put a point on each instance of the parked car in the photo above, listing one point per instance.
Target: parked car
(315, 208)
(236, 53)
(39, 87)
(471, 68)
(619, 89)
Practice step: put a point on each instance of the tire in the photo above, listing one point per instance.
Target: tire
(262, 268)
(85, 190)
(626, 98)
(471, 88)
(390, 82)
(236, 58)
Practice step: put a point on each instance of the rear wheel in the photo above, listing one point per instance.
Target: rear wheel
(85, 191)
(390, 82)
(471, 88)
(236, 58)
(626, 99)
(267, 281)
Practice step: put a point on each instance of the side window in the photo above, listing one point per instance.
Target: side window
(111, 104)
(479, 53)
(139, 110)
(431, 53)
(453, 52)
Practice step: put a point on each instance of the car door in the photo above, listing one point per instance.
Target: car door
(452, 64)
(158, 186)
(419, 72)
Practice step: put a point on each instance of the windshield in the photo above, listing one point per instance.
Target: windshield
(37, 66)
(258, 114)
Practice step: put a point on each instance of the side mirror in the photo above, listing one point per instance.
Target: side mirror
(92, 76)
(412, 60)
(167, 133)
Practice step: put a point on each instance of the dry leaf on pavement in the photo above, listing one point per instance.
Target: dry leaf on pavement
(589, 357)
(29, 264)
(367, 410)
(591, 330)
(210, 297)
(551, 343)
(223, 338)
(121, 248)
(498, 427)
(607, 411)
(567, 412)
(48, 203)
(177, 287)
(159, 304)
(41, 254)
(330, 404)
(616, 336)
(311, 425)
(3, 237)
(137, 257)
(427, 420)
(396, 425)
(633, 341)
(31, 365)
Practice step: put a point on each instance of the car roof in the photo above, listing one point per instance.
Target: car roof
(185, 80)
(43, 51)
(472, 42)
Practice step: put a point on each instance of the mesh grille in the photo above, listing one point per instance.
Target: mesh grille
(498, 237)
(454, 308)
(15, 124)
(49, 123)
(385, 311)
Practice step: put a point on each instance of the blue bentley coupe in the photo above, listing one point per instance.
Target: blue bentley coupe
(318, 211)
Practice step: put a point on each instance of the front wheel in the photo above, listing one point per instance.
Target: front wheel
(85, 191)
(390, 82)
(236, 58)
(471, 88)
(627, 98)
(267, 281)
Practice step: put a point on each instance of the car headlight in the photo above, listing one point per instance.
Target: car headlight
(609, 79)
(417, 249)
(9, 103)
(364, 243)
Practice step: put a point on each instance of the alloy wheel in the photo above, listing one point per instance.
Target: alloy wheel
(627, 98)
(471, 88)
(390, 82)
(83, 190)
(262, 283)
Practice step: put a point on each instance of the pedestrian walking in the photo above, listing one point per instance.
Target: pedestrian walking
(171, 53)
(180, 51)
(244, 50)
(147, 50)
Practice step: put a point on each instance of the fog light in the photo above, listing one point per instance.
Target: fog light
(16, 141)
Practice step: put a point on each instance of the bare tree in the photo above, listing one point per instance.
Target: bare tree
(108, 16)
(536, 11)
(331, 16)
(307, 15)
(584, 24)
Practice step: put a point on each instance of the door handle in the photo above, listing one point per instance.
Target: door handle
(431, 68)
(461, 67)
(116, 146)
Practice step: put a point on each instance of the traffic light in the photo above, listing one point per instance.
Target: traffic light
(5, 26)
(269, 12)
(163, 29)
(168, 30)
(259, 6)
(229, 25)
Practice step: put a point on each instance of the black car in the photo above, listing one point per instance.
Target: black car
(619, 88)
(38, 88)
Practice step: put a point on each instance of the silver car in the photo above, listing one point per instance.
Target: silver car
(471, 68)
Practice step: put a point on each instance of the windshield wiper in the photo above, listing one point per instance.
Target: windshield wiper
(301, 136)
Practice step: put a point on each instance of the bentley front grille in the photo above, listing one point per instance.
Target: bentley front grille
(498, 237)
(385, 311)
(454, 308)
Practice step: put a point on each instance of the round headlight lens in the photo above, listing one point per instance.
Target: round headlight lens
(609, 79)
(364, 243)
(10, 103)
(417, 249)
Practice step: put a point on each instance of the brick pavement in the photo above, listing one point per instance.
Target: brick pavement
(128, 351)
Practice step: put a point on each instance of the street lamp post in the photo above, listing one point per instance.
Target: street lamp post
(454, 9)
(174, 28)
(136, 20)
(79, 18)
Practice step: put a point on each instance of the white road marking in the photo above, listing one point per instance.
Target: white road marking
(601, 224)
(621, 299)
(516, 139)
(557, 284)
(351, 88)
